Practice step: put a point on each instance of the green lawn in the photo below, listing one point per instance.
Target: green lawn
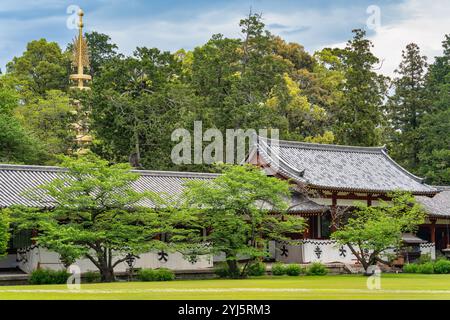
(393, 286)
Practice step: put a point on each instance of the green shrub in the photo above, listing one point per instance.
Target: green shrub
(293, 270)
(91, 276)
(278, 269)
(426, 268)
(442, 266)
(424, 258)
(221, 271)
(316, 269)
(161, 274)
(410, 268)
(257, 269)
(47, 276)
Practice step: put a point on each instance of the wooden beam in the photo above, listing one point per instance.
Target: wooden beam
(333, 211)
(433, 230)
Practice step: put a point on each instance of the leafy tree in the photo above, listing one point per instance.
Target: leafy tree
(101, 51)
(16, 143)
(371, 230)
(49, 119)
(408, 106)
(4, 231)
(434, 152)
(236, 207)
(137, 102)
(98, 215)
(359, 114)
(43, 66)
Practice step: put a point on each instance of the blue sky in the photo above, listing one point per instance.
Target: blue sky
(174, 24)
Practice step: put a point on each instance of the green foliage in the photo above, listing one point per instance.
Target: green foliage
(426, 268)
(230, 206)
(293, 270)
(375, 229)
(316, 269)
(410, 268)
(278, 269)
(17, 145)
(424, 258)
(4, 231)
(408, 106)
(43, 66)
(358, 114)
(98, 216)
(442, 266)
(161, 274)
(47, 276)
(257, 269)
(49, 119)
(91, 277)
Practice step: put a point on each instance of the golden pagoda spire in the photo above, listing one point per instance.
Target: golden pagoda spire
(80, 56)
(80, 60)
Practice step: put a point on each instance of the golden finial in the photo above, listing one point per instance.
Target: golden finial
(80, 60)
(80, 55)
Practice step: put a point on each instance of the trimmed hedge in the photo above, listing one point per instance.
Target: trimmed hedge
(442, 266)
(257, 269)
(410, 268)
(316, 269)
(161, 274)
(278, 269)
(47, 276)
(92, 277)
(293, 270)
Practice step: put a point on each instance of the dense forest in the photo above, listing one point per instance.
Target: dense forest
(256, 81)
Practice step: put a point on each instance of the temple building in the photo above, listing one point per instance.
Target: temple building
(324, 179)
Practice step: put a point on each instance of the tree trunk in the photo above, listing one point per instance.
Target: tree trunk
(107, 274)
(233, 269)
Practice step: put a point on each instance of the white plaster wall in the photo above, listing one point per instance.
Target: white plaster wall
(50, 260)
(326, 251)
(428, 248)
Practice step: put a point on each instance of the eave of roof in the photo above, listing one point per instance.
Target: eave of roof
(276, 161)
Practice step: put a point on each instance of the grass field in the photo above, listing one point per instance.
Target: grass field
(393, 286)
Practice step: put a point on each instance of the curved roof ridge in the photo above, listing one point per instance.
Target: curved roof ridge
(24, 167)
(398, 166)
(21, 167)
(326, 147)
(184, 174)
(297, 171)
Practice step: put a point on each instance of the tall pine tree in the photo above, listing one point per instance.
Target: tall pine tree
(407, 106)
(359, 115)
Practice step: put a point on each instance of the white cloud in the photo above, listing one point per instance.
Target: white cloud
(422, 22)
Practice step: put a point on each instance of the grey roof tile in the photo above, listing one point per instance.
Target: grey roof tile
(439, 205)
(16, 180)
(346, 168)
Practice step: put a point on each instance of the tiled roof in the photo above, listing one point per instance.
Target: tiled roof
(439, 205)
(340, 168)
(16, 180)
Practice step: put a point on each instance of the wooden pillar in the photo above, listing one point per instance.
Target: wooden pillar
(369, 200)
(307, 228)
(433, 230)
(333, 211)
